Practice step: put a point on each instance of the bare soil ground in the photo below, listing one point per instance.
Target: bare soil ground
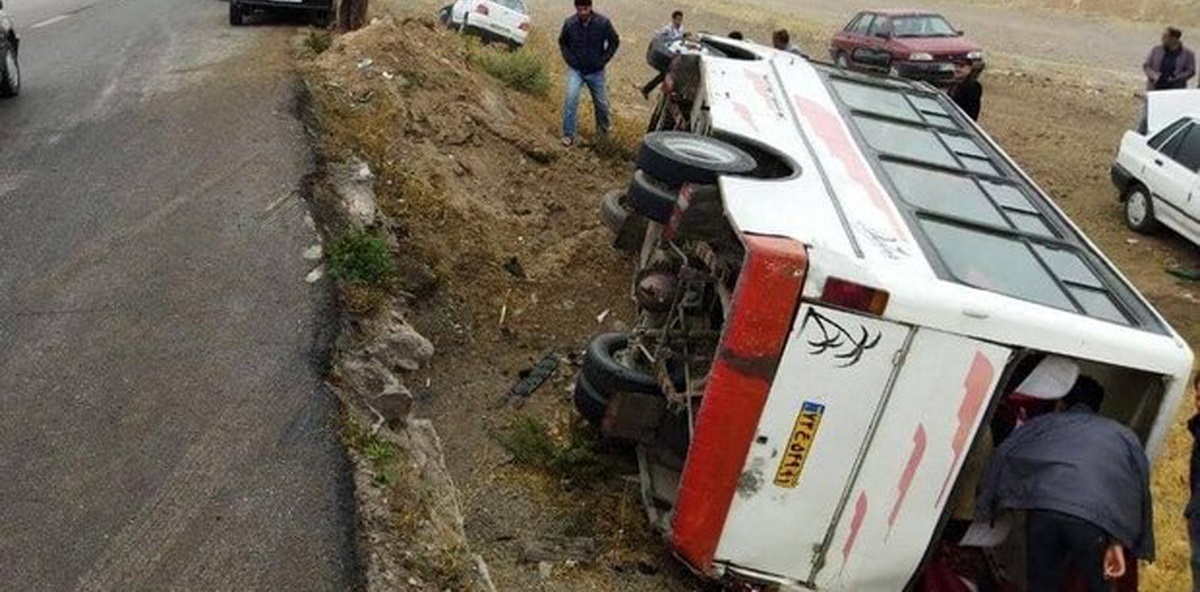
(475, 179)
(472, 174)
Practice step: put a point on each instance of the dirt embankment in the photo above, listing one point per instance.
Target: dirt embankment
(501, 262)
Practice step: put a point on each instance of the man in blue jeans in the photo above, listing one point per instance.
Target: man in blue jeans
(588, 41)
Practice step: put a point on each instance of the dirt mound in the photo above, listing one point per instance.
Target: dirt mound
(461, 161)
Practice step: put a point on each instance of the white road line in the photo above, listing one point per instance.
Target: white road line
(50, 21)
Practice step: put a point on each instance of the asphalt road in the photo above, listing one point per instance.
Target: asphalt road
(162, 419)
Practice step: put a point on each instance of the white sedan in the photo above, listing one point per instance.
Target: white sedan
(1157, 172)
(493, 20)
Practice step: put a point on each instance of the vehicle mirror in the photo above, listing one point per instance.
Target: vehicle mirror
(959, 33)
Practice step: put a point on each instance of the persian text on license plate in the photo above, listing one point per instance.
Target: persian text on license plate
(804, 432)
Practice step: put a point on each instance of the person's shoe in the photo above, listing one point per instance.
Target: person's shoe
(568, 141)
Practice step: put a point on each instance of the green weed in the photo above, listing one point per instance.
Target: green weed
(521, 69)
(318, 41)
(360, 256)
(571, 457)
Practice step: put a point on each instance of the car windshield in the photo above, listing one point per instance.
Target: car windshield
(514, 5)
(922, 26)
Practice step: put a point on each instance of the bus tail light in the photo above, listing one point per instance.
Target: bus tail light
(847, 294)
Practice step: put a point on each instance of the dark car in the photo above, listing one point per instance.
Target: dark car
(319, 11)
(10, 70)
(912, 44)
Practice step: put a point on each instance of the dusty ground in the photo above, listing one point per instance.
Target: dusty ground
(471, 196)
(473, 174)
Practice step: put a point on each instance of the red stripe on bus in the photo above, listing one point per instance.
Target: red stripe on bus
(910, 470)
(760, 320)
(979, 378)
(828, 126)
(860, 514)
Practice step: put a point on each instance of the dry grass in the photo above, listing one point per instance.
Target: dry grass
(1181, 12)
(523, 69)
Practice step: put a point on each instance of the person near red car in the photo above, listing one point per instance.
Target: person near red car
(1169, 65)
(968, 92)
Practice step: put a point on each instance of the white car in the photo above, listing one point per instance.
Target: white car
(1156, 172)
(493, 20)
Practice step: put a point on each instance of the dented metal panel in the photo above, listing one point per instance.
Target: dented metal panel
(914, 458)
(833, 375)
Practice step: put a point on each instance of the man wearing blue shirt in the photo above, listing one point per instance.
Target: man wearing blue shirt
(672, 31)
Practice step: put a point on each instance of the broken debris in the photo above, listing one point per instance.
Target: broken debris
(1190, 275)
(533, 378)
(558, 549)
(513, 267)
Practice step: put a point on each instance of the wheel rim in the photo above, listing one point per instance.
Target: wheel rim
(14, 71)
(700, 150)
(841, 61)
(1136, 208)
(893, 72)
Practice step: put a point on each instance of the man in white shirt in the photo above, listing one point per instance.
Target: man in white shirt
(672, 31)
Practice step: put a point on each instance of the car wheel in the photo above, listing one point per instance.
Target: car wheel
(10, 73)
(651, 199)
(675, 158)
(1139, 210)
(841, 61)
(236, 14)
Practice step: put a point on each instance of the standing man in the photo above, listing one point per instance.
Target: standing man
(782, 40)
(1083, 481)
(1169, 65)
(588, 41)
(672, 31)
(968, 93)
(1192, 513)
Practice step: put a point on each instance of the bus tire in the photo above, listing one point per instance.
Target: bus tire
(675, 158)
(650, 199)
(607, 376)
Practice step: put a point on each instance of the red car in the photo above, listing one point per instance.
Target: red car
(908, 43)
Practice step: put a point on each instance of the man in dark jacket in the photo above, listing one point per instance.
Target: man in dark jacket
(1084, 482)
(968, 93)
(588, 41)
(1169, 65)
